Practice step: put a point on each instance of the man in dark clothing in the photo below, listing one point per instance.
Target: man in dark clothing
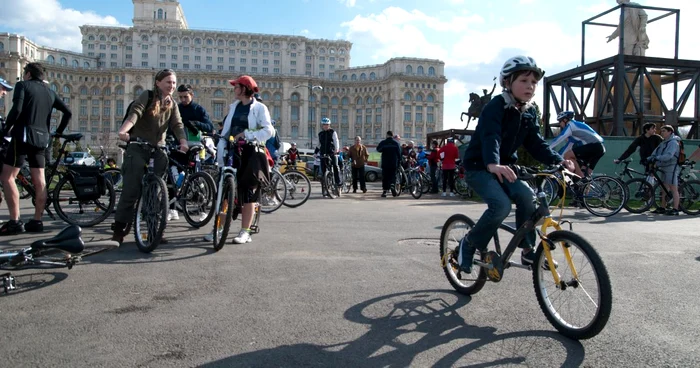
(391, 155)
(194, 116)
(329, 145)
(646, 142)
(28, 123)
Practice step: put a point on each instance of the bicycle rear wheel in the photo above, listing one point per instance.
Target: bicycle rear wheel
(298, 188)
(462, 188)
(224, 213)
(415, 186)
(641, 195)
(84, 213)
(457, 227)
(273, 194)
(690, 197)
(330, 185)
(197, 198)
(151, 214)
(604, 196)
(114, 175)
(580, 305)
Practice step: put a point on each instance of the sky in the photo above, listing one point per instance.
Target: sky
(472, 37)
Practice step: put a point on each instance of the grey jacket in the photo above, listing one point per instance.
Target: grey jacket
(666, 154)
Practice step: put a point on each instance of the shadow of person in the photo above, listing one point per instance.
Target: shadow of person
(416, 327)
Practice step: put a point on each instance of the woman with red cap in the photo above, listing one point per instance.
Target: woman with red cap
(250, 120)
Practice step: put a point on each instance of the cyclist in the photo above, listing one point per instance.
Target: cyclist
(591, 147)
(194, 116)
(28, 123)
(147, 121)
(391, 158)
(507, 122)
(273, 144)
(4, 87)
(247, 119)
(292, 154)
(329, 145)
(449, 154)
(665, 156)
(647, 143)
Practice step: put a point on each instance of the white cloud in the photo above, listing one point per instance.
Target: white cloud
(47, 23)
(348, 3)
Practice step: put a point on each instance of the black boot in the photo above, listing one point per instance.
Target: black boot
(120, 231)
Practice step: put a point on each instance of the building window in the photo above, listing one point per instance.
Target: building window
(218, 108)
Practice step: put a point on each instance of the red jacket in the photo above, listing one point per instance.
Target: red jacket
(434, 156)
(449, 153)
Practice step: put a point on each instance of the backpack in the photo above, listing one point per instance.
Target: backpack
(681, 152)
(128, 108)
(276, 142)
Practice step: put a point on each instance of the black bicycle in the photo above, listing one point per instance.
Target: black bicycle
(64, 250)
(328, 184)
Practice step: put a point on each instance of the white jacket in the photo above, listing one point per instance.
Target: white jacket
(259, 127)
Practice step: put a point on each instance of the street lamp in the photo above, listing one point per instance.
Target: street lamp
(311, 89)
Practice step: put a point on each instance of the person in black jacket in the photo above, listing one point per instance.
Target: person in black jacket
(194, 116)
(329, 145)
(391, 155)
(646, 142)
(29, 117)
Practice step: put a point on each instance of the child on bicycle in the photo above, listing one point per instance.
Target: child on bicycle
(507, 122)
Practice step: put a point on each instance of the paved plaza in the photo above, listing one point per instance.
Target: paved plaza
(352, 282)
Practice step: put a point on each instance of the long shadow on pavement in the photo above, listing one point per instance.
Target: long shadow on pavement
(403, 326)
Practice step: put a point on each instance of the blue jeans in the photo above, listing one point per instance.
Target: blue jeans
(498, 197)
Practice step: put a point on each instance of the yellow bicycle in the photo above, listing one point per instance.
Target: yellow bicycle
(575, 296)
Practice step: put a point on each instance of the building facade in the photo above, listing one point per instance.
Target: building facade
(301, 80)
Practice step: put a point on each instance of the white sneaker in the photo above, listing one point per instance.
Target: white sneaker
(452, 194)
(444, 194)
(209, 237)
(173, 215)
(242, 238)
(202, 217)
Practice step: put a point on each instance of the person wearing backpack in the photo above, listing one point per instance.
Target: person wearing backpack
(273, 144)
(666, 158)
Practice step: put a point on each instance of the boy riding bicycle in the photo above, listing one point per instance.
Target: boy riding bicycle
(506, 123)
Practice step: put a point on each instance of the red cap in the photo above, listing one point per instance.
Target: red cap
(246, 81)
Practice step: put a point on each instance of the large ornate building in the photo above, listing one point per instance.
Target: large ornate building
(301, 79)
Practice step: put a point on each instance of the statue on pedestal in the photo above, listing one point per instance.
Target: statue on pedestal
(635, 24)
(477, 103)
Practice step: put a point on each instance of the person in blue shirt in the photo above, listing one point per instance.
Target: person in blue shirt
(589, 144)
(421, 156)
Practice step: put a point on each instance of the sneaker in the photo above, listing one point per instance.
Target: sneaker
(364, 190)
(528, 259)
(354, 191)
(383, 194)
(393, 192)
(452, 194)
(12, 227)
(444, 194)
(34, 226)
(670, 212)
(202, 217)
(172, 215)
(209, 237)
(465, 255)
(659, 210)
(243, 237)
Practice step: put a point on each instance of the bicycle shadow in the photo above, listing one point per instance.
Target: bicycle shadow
(402, 326)
(27, 282)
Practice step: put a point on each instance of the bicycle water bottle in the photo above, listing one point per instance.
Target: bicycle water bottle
(180, 179)
(174, 173)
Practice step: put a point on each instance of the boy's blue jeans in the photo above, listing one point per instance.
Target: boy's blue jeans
(498, 197)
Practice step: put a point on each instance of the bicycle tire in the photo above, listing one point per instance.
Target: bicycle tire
(152, 209)
(462, 188)
(583, 328)
(271, 194)
(604, 193)
(690, 197)
(224, 213)
(198, 191)
(330, 185)
(640, 195)
(400, 179)
(115, 176)
(63, 196)
(461, 225)
(298, 186)
(426, 183)
(415, 185)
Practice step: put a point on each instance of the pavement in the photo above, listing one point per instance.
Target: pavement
(355, 282)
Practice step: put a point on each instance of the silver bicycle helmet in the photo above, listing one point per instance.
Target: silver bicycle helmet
(516, 64)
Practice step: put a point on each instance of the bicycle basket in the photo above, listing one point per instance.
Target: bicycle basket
(88, 182)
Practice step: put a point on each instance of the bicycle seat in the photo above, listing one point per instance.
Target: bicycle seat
(70, 137)
(67, 240)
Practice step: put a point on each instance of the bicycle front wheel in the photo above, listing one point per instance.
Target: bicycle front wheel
(604, 196)
(455, 229)
(273, 194)
(198, 199)
(579, 305)
(415, 186)
(224, 213)
(641, 195)
(114, 175)
(330, 185)
(298, 188)
(84, 213)
(151, 214)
